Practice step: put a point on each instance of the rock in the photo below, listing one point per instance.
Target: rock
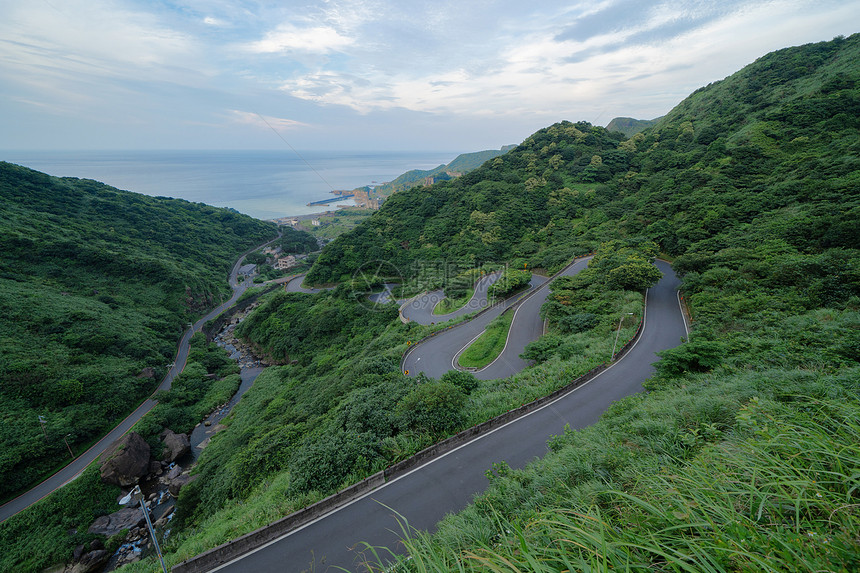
(108, 525)
(155, 468)
(148, 372)
(91, 562)
(78, 553)
(176, 485)
(174, 473)
(175, 445)
(125, 461)
(96, 544)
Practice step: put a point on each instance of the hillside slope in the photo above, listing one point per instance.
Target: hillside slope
(752, 184)
(629, 126)
(97, 285)
(463, 163)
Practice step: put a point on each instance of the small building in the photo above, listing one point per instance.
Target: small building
(247, 270)
(315, 222)
(286, 262)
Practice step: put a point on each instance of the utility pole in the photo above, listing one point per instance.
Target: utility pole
(616, 335)
(137, 495)
(42, 421)
(68, 446)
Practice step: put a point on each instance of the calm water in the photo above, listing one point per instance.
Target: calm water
(263, 184)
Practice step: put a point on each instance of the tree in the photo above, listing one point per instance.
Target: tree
(434, 407)
(633, 275)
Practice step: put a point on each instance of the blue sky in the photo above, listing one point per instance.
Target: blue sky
(454, 75)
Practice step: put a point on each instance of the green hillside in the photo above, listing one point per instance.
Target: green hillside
(629, 126)
(463, 163)
(744, 454)
(96, 287)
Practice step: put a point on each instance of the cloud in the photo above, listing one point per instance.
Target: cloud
(263, 121)
(215, 22)
(624, 55)
(289, 38)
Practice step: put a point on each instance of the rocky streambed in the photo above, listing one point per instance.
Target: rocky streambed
(128, 463)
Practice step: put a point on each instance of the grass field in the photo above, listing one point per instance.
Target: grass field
(489, 345)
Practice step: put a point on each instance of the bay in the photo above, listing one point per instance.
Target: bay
(262, 184)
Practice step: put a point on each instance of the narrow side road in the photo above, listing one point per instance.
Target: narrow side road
(436, 356)
(79, 464)
(449, 482)
(420, 309)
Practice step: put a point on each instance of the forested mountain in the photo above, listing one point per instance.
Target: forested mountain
(629, 126)
(463, 163)
(775, 145)
(96, 287)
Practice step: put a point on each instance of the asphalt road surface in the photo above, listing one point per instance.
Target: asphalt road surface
(420, 308)
(449, 482)
(79, 464)
(438, 354)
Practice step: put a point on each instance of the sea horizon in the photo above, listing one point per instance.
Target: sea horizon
(265, 184)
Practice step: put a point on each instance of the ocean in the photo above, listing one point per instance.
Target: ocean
(262, 184)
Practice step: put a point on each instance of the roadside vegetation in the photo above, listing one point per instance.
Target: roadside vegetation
(448, 305)
(487, 347)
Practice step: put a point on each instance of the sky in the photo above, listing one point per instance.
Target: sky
(453, 75)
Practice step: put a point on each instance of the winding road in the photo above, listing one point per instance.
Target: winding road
(448, 483)
(437, 355)
(80, 463)
(420, 308)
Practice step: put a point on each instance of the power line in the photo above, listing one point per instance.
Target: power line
(294, 151)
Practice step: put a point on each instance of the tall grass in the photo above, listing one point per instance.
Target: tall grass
(449, 305)
(489, 345)
(782, 493)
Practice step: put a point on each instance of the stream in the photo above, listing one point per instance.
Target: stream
(155, 490)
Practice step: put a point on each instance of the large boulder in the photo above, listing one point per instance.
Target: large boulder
(175, 445)
(108, 525)
(91, 562)
(176, 485)
(125, 461)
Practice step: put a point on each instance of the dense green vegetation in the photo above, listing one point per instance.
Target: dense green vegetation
(629, 126)
(96, 286)
(487, 347)
(751, 185)
(748, 471)
(342, 410)
(296, 241)
(744, 454)
(48, 532)
(511, 281)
